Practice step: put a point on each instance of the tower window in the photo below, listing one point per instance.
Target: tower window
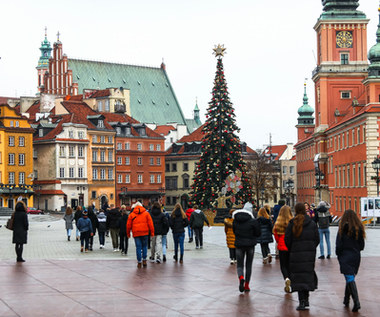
(345, 95)
(344, 59)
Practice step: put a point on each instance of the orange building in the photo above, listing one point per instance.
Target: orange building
(334, 155)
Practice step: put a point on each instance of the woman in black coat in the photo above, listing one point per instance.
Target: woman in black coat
(266, 237)
(302, 239)
(349, 243)
(20, 229)
(94, 222)
(178, 222)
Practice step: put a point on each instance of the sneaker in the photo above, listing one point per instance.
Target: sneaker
(151, 260)
(235, 261)
(232, 262)
(265, 260)
(197, 247)
(241, 284)
(201, 247)
(158, 260)
(101, 247)
(269, 258)
(86, 250)
(164, 258)
(246, 287)
(322, 257)
(328, 256)
(81, 249)
(287, 287)
(114, 250)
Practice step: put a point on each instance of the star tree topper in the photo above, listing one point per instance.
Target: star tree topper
(219, 50)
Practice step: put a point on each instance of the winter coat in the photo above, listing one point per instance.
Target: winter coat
(160, 222)
(302, 251)
(246, 228)
(102, 225)
(322, 217)
(230, 236)
(140, 222)
(177, 223)
(68, 221)
(189, 211)
(77, 216)
(123, 224)
(197, 219)
(84, 224)
(276, 211)
(280, 239)
(94, 220)
(348, 251)
(20, 227)
(266, 230)
(113, 219)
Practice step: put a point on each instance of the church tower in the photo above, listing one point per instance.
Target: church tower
(342, 60)
(43, 62)
(305, 126)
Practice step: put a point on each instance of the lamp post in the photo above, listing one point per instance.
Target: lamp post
(262, 192)
(289, 186)
(162, 193)
(81, 200)
(376, 166)
(123, 194)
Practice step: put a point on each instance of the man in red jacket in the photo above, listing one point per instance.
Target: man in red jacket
(189, 211)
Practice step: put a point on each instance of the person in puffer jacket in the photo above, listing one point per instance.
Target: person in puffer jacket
(85, 227)
(197, 220)
(230, 236)
(161, 226)
(246, 230)
(266, 234)
(102, 228)
(141, 224)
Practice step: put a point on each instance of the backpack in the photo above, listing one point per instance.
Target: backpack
(323, 220)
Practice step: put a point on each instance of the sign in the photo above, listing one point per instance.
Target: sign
(370, 206)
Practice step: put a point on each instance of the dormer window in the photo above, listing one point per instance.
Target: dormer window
(71, 134)
(100, 105)
(40, 133)
(100, 124)
(142, 131)
(128, 130)
(107, 105)
(118, 130)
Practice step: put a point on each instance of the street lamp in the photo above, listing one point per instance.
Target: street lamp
(262, 191)
(81, 200)
(289, 186)
(376, 166)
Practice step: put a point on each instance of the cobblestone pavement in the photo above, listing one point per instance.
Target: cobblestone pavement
(57, 280)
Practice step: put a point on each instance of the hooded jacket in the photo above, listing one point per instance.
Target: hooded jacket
(266, 230)
(102, 226)
(245, 227)
(177, 223)
(197, 219)
(140, 222)
(160, 222)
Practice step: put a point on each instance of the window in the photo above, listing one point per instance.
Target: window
(139, 146)
(106, 105)
(358, 136)
(21, 178)
(359, 175)
(110, 139)
(119, 146)
(62, 151)
(11, 178)
(100, 105)
(94, 173)
(110, 173)
(344, 59)
(159, 178)
(102, 139)
(127, 178)
(71, 151)
(151, 147)
(11, 159)
(151, 179)
(291, 170)
(158, 147)
(21, 159)
(186, 182)
(80, 135)
(158, 160)
(80, 151)
(71, 172)
(11, 123)
(127, 160)
(11, 141)
(61, 172)
(80, 172)
(40, 133)
(110, 156)
(139, 161)
(94, 139)
(21, 141)
(102, 173)
(17, 124)
(174, 167)
(100, 124)
(284, 168)
(185, 166)
(139, 178)
(102, 156)
(119, 178)
(118, 130)
(119, 160)
(93, 194)
(353, 137)
(71, 134)
(128, 131)
(167, 167)
(127, 146)
(345, 95)
(151, 161)
(94, 155)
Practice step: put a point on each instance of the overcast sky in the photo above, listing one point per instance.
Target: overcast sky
(271, 49)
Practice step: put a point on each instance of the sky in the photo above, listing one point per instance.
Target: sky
(271, 49)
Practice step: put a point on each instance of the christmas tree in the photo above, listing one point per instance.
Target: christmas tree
(221, 171)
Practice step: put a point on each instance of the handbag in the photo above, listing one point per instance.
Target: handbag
(10, 221)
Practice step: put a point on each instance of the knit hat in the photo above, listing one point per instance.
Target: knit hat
(248, 206)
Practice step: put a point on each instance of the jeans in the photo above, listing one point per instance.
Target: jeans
(284, 263)
(232, 253)
(198, 232)
(156, 247)
(265, 249)
(190, 231)
(84, 239)
(68, 232)
(115, 237)
(124, 243)
(101, 237)
(179, 238)
(241, 253)
(141, 247)
(164, 244)
(326, 233)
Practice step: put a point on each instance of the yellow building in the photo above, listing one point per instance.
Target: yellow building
(16, 158)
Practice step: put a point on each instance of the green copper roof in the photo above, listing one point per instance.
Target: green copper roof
(374, 55)
(45, 49)
(341, 9)
(305, 111)
(152, 98)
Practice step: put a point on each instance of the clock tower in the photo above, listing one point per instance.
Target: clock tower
(342, 60)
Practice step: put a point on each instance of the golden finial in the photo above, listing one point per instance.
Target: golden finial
(219, 50)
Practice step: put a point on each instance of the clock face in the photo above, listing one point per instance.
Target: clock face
(344, 39)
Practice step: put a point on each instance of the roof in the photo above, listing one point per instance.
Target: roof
(152, 99)
(276, 150)
(193, 124)
(194, 136)
(164, 129)
(5, 99)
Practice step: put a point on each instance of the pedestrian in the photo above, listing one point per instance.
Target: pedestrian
(102, 228)
(265, 237)
(246, 229)
(123, 231)
(141, 224)
(302, 239)
(68, 217)
(113, 225)
(94, 222)
(178, 221)
(189, 211)
(349, 243)
(165, 235)
(309, 210)
(230, 236)
(323, 219)
(279, 233)
(85, 227)
(77, 216)
(20, 229)
(276, 210)
(197, 222)
(161, 226)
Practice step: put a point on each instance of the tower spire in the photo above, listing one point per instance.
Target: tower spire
(374, 54)
(305, 111)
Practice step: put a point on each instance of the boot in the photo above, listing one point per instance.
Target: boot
(346, 300)
(355, 296)
(303, 300)
(68, 238)
(246, 287)
(301, 305)
(164, 258)
(181, 259)
(175, 257)
(241, 283)
(144, 263)
(139, 265)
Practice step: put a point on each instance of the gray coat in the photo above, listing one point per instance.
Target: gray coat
(68, 221)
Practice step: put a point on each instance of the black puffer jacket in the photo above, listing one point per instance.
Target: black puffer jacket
(160, 222)
(123, 224)
(177, 222)
(348, 251)
(302, 251)
(266, 227)
(113, 219)
(246, 228)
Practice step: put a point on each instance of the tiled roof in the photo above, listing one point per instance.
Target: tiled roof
(152, 98)
(4, 100)
(164, 129)
(100, 93)
(193, 124)
(197, 135)
(276, 150)
(33, 110)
